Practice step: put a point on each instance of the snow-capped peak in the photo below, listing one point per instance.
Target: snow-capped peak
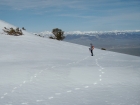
(91, 32)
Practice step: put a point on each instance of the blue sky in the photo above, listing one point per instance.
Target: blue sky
(72, 15)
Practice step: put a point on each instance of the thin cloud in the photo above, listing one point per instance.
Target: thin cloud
(87, 11)
(30, 4)
(77, 16)
(119, 19)
(81, 4)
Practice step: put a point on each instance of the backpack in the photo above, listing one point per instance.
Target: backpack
(92, 47)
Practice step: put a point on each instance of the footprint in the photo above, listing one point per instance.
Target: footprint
(39, 100)
(35, 75)
(68, 63)
(5, 94)
(40, 72)
(24, 103)
(100, 67)
(9, 104)
(86, 86)
(95, 83)
(77, 88)
(53, 67)
(50, 98)
(20, 85)
(24, 81)
(69, 91)
(100, 79)
(2, 97)
(31, 80)
(100, 75)
(57, 93)
(15, 88)
(13, 91)
(100, 70)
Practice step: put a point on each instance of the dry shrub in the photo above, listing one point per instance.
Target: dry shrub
(58, 34)
(103, 49)
(12, 31)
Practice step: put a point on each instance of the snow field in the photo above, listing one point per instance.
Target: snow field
(53, 67)
(40, 71)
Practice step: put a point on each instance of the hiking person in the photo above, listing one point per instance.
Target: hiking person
(91, 49)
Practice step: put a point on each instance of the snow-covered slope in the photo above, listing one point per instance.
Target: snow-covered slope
(41, 71)
(103, 39)
(5, 24)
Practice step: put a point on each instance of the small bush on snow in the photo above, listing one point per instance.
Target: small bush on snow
(103, 49)
(12, 31)
(58, 34)
(23, 28)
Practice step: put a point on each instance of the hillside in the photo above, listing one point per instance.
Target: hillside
(127, 41)
(41, 71)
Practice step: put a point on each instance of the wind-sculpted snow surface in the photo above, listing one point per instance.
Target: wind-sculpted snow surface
(38, 71)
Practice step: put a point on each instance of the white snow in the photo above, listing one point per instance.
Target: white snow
(41, 71)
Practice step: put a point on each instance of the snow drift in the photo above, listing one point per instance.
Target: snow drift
(41, 71)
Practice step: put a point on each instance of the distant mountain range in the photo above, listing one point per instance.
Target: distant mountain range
(92, 33)
(108, 39)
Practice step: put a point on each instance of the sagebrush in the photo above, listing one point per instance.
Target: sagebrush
(58, 34)
(12, 31)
